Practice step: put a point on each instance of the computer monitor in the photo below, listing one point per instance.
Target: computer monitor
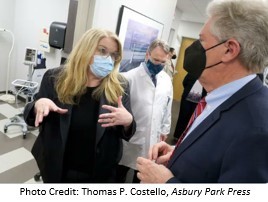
(30, 56)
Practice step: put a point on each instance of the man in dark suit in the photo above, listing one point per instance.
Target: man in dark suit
(228, 141)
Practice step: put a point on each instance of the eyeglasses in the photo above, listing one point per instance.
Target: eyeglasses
(105, 53)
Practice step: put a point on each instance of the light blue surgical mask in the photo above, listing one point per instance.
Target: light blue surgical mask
(102, 66)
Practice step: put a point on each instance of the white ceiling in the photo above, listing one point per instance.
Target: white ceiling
(193, 10)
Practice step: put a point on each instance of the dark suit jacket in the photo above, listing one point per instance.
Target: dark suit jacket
(230, 145)
(49, 147)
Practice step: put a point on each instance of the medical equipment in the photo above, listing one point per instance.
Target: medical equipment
(7, 97)
(24, 87)
(30, 56)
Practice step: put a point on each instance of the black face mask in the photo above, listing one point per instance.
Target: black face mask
(195, 59)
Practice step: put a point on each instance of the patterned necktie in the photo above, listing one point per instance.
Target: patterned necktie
(153, 79)
(198, 110)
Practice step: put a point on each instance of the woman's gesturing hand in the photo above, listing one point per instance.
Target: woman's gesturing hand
(42, 108)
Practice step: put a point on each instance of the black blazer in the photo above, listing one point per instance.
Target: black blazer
(49, 146)
(230, 145)
(186, 107)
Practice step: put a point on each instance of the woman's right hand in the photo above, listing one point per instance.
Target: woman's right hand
(161, 152)
(42, 108)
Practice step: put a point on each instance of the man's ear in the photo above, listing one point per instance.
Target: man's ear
(232, 51)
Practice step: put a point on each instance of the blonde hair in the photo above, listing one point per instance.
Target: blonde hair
(71, 83)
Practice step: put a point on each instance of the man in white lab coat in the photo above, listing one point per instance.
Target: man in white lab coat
(151, 94)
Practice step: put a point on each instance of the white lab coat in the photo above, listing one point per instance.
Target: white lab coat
(151, 108)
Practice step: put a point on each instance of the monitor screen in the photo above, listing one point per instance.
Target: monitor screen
(30, 56)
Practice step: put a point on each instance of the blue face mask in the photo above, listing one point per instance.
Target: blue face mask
(102, 66)
(153, 68)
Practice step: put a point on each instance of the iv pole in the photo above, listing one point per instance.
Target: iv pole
(7, 97)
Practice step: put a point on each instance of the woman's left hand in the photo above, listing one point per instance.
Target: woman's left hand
(118, 116)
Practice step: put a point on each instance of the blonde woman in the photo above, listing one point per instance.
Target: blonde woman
(83, 111)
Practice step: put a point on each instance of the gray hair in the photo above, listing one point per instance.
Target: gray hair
(159, 43)
(247, 22)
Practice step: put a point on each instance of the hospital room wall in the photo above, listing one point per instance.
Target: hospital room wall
(27, 18)
(6, 22)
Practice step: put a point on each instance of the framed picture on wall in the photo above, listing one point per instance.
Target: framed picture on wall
(136, 31)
